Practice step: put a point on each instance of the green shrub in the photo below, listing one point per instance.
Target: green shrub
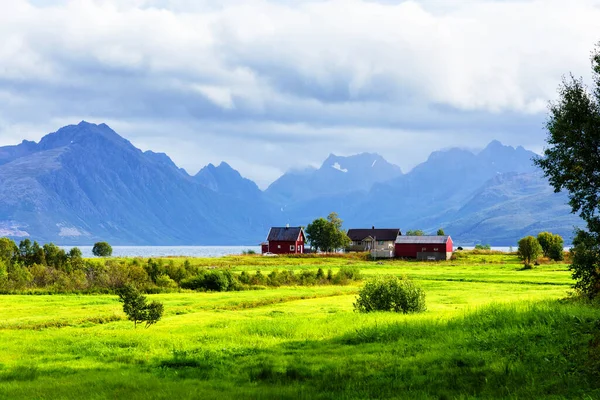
(258, 279)
(345, 275)
(214, 281)
(320, 274)
(164, 281)
(244, 278)
(390, 294)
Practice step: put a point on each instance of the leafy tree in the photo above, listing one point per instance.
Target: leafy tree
(556, 250)
(9, 252)
(317, 234)
(38, 256)
(572, 161)
(545, 240)
(327, 234)
(102, 249)
(586, 258)
(75, 258)
(3, 272)
(417, 232)
(26, 252)
(339, 238)
(441, 232)
(136, 307)
(480, 246)
(529, 249)
(55, 256)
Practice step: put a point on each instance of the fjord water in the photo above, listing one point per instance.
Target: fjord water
(171, 251)
(200, 251)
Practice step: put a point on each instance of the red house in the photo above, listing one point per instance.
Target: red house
(432, 248)
(287, 240)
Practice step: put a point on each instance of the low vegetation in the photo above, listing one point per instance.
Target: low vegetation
(491, 330)
(390, 293)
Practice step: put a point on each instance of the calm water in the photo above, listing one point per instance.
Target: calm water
(199, 251)
(166, 251)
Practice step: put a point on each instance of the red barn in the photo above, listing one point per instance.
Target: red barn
(424, 247)
(287, 240)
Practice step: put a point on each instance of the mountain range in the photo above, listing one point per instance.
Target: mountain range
(86, 183)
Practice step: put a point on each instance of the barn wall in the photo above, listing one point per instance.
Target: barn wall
(406, 250)
(413, 250)
(285, 247)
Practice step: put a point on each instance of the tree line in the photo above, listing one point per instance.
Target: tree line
(545, 244)
(29, 266)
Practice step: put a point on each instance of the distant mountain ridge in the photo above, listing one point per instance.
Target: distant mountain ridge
(84, 183)
(336, 175)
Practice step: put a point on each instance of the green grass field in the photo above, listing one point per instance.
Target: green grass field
(491, 331)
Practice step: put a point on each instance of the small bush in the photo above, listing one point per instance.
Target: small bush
(345, 275)
(390, 294)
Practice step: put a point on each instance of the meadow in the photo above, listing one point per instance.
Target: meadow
(491, 330)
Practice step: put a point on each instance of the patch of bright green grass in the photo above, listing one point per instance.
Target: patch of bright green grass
(490, 331)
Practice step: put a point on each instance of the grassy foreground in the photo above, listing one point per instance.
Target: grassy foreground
(491, 331)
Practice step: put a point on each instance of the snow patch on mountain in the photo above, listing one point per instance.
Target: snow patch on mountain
(339, 167)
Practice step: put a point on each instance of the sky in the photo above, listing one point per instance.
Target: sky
(269, 86)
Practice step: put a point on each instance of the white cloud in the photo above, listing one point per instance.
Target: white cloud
(218, 95)
(284, 78)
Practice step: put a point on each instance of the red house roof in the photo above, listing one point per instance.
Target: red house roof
(285, 234)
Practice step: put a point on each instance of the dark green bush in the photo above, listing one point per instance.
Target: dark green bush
(345, 275)
(214, 281)
(390, 294)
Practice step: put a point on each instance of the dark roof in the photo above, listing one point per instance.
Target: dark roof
(285, 234)
(379, 234)
(422, 239)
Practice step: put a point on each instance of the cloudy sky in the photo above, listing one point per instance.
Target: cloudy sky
(273, 85)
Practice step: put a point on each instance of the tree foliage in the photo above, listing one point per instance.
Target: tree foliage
(102, 249)
(327, 234)
(390, 294)
(417, 232)
(9, 252)
(571, 162)
(137, 309)
(552, 245)
(529, 249)
(441, 232)
(586, 259)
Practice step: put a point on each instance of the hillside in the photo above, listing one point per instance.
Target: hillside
(85, 182)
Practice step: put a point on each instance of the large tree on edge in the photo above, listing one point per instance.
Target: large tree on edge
(572, 163)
